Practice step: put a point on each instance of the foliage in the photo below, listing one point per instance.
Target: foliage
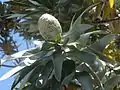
(88, 56)
(7, 44)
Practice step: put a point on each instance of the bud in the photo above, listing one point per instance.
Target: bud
(49, 27)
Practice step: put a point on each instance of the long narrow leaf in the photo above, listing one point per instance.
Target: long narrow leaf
(44, 75)
(85, 80)
(17, 55)
(101, 44)
(34, 2)
(11, 72)
(109, 84)
(77, 29)
(17, 3)
(24, 72)
(58, 59)
(16, 15)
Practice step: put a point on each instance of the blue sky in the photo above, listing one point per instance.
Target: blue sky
(3, 0)
(6, 84)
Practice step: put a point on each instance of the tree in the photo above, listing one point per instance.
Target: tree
(86, 58)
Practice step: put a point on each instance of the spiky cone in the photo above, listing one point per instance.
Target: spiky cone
(49, 28)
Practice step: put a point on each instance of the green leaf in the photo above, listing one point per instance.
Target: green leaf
(72, 21)
(37, 42)
(24, 81)
(36, 11)
(78, 20)
(98, 47)
(17, 3)
(78, 26)
(111, 3)
(85, 80)
(109, 84)
(96, 78)
(44, 75)
(68, 79)
(35, 74)
(34, 2)
(47, 46)
(29, 53)
(12, 72)
(2, 9)
(39, 55)
(23, 73)
(74, 33)
(15, 56)
(68, 68)
(30, 87)
(84, 38)
(100, 68)
(28, 61)
(62, 1)
(87, 68)
(81, 56)
(16, 15)
(31, 76)
(101, 44)
(55, 85)
(32, 50)
(58, 59)
(117, 70)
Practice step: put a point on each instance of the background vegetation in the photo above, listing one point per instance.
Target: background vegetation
(88, 59)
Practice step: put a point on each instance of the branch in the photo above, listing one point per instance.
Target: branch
(106, 21)
(9, 66)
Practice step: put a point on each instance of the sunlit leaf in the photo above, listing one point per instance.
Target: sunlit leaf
(101, 44)
(28, 62)
(108, 11)
(112, 52)
(34, 2)
(15, 56)
(62, 1)
(11, 72)
(38, 43)
(74, 33)
(111, 3)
